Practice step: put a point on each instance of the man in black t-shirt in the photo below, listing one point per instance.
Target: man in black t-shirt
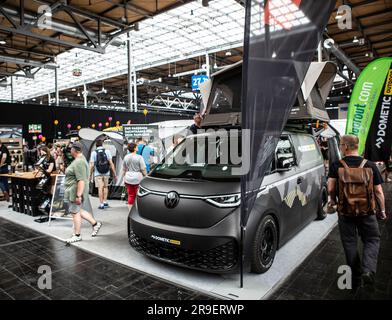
(364, 225)
(5, 161)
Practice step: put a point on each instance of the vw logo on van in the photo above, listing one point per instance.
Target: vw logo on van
(172, 199)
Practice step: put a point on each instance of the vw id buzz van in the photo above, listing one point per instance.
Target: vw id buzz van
(188, 214)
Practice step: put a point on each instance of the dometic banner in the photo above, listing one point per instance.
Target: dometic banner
(370, 103)
(281, 38)
(379, 139)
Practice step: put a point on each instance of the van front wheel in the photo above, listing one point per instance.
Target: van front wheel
(264, 245)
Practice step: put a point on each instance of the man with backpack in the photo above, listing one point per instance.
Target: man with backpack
(101, 163)
(354, 185)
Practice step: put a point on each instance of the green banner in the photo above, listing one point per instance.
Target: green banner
(364, 99)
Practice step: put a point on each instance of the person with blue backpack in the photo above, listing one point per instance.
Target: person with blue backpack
(100, 165)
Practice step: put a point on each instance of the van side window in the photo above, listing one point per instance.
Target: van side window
(308, 152)
(284, 154)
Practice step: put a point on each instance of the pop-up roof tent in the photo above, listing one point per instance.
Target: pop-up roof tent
(115, 145)
(222, 95)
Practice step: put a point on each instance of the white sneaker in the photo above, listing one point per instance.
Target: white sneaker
(74, 239)
(96, 229)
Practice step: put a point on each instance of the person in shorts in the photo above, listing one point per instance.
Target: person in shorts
(76, 194)
(101, 178)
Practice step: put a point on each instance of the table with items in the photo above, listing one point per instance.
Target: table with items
(30, 191)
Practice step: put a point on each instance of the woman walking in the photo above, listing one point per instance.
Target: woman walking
(134, 171)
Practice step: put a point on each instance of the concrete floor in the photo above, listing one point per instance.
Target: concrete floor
(112, 243)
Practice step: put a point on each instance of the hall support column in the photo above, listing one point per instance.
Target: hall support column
(208, 65)
(56, 88)
(85, 93)
(12, 89)
(130, 94)
(134, 82)
(320, 52)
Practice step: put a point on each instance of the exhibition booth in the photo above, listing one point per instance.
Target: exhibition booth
(113, 241)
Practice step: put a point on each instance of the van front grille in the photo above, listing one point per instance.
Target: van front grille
(222, 258)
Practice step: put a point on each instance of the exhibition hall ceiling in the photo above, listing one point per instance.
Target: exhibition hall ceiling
(168, 37)
(180, 34)
(41, 29)
(370, 35)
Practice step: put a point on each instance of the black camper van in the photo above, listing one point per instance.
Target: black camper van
(188, 214)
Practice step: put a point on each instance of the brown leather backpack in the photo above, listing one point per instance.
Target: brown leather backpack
(356, 190)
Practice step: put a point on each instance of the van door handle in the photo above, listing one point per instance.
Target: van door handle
(300, 180)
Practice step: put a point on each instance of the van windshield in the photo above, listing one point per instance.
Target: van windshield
(202, 157)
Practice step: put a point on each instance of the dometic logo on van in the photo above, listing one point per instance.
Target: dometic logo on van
(162, 239)
(388, 84)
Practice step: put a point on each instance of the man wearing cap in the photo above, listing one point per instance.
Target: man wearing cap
(76, 193)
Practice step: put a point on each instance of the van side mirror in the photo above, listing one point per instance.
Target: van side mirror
(284, 164)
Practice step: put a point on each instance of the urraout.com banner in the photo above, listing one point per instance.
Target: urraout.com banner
(369, 110)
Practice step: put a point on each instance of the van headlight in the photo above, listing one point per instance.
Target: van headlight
(142, 192)
(226, 201)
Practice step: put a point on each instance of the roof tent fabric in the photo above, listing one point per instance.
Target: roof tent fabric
(315, 90)
(313, 94)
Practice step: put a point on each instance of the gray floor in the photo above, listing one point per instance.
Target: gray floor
(112, 243)
(317, 276)
(74, 273)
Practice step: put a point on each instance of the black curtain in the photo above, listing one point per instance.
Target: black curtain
(25, 114)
